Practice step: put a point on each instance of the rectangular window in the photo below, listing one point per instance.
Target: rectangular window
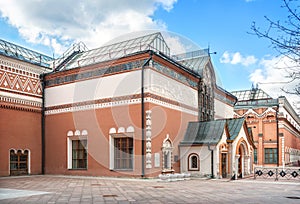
(255, 156)
(79, 154)
(270, 156)
(123, 153)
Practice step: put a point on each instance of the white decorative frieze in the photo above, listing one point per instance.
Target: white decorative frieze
(148, 139)
(75, 108)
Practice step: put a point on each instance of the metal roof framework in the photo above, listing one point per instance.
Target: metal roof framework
(154, 41)
(16, 51)
(252, 94)
(196, 60)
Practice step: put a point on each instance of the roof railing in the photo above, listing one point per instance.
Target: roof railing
(19, 52)
(68, 55)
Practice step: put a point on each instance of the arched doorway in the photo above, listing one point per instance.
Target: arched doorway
(240, 162)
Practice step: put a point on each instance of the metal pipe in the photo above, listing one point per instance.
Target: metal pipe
(42, 77)
(277, 132)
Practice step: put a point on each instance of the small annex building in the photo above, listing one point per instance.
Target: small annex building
(222, 148)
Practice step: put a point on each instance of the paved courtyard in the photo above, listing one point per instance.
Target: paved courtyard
(67, 189)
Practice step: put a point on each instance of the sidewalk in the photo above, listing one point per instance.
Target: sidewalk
(70, 189)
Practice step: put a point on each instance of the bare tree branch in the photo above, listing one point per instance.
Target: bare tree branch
(285, 38)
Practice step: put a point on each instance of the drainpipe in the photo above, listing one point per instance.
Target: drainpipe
(277, 132)
(212, 160)
(42, 77)
(143, 114)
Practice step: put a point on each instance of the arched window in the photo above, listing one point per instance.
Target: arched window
(18, 162)
(193, 162)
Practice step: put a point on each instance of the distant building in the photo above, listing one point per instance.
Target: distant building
(275, 127)
(117, 110)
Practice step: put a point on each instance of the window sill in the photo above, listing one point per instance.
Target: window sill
(78, 169)
(195, 169)
(121, 169)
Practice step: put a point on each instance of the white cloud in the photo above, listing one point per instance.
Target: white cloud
(237, 58)
(273, 75)
(225, 58)
(91, 21)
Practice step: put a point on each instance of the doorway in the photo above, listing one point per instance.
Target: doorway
(240, 162)
(224, 165)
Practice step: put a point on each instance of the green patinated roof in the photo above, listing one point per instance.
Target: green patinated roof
(210, 132)
(234, 127)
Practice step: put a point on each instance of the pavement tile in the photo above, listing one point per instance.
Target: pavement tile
(76, 189)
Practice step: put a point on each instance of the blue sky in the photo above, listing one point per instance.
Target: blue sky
(50, 26)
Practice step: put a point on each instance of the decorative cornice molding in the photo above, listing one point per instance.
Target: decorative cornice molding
(251, 111)
(20, 81)
(26, 68)
(20, 104)
(120, 101)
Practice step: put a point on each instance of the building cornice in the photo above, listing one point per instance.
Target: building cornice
(120, 101)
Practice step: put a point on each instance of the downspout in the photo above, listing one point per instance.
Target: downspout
(277, 132)
(143, 115)
(212, 160)
(42, 77)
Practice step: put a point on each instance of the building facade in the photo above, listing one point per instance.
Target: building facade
(275, 127)
(21, 109)
(118, 110)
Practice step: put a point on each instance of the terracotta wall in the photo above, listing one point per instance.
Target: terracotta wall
(20, 130)
(98, 123)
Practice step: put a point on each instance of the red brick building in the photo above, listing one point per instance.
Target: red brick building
(275, 127)
(21, 109)
(118, 110)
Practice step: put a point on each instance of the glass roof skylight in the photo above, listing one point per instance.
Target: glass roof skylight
(195, 60)
(252, 94)
(154, 41)
(16, 51)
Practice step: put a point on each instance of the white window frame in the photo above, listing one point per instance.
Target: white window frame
(70, 138)
(113, 133)
(190, 168)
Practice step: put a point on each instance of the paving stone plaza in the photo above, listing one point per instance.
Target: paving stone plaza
(70, 189)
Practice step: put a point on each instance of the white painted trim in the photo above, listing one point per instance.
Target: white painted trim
(111, 152)
(69, 153)
(70, 138)
(120, 103)
(21, 96)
